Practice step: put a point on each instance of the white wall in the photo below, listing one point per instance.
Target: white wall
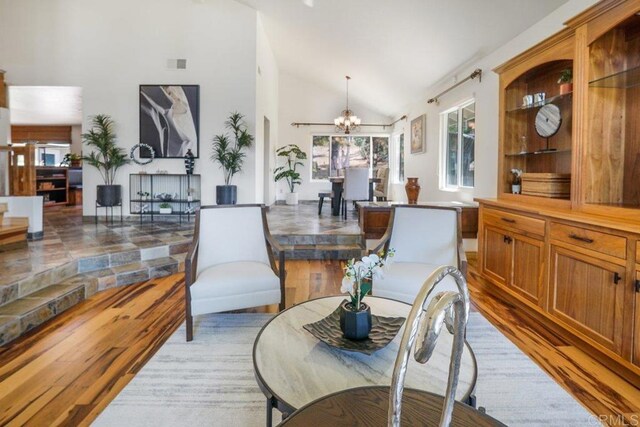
(266, 106)
(303, 101)
(425, 166)
(109, 49)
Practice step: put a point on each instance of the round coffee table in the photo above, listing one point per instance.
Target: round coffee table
(293, 368)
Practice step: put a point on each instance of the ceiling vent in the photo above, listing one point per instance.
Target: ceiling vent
(177, 64)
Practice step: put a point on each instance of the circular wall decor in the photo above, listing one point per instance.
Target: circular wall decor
(548, 120)
(139, 160)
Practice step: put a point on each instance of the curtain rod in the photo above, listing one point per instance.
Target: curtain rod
(476, 73)
(298, 124)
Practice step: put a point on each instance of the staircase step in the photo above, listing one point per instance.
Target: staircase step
(323, 252)
(320, 239)
(25, 313)
(13, 230)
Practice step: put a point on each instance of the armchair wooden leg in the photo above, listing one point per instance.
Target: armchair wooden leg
(320, 202)
(189, 322)
(283, 280)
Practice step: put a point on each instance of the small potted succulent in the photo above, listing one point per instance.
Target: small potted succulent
(72, 160)
(355, 316)
(516, 182)
(144, 195)
(566, 81)
(165, 208)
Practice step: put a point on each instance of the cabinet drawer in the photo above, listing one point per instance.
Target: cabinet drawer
(515, 221)
(600, 242)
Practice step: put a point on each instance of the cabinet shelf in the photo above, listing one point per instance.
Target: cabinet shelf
(51, 189)
(542, 103)
(537, 153)
(623, 79)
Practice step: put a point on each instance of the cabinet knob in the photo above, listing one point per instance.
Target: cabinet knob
(616, 278)
(507, 239)
(638, 286)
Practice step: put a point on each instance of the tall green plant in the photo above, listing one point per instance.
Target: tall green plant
(293, 154)
(229, 154)
(105, 156)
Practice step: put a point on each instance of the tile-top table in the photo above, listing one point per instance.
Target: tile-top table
(293, 368)
(337, 185)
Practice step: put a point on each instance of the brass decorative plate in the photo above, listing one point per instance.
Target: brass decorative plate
(383, 331)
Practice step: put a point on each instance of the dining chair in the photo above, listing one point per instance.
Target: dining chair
(382, 188)
(230, 263)
(321, 196)
(424, 237)
(356, 187)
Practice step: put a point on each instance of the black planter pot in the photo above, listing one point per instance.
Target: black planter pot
(226, 194)
(355, 325)
(109, 195)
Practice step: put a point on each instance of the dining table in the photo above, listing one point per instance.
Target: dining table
(337, 187)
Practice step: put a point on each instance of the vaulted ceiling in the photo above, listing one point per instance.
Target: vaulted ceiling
(393, 50)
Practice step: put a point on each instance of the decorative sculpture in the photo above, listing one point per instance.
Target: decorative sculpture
(449, 308)
(189, 162)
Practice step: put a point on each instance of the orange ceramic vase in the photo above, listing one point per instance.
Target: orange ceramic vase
(413, 190)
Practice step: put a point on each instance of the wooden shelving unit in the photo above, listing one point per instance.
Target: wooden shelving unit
(52, 183)
(573, 262)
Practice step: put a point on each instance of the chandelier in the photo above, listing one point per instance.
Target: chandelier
(347, 121)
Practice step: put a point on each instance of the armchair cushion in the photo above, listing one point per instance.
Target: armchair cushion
(403, 280)
(234, 286)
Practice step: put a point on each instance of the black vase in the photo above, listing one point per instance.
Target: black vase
(355, 325)
(226, 194)
(109, 195)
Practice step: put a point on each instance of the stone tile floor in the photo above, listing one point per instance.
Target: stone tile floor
(69, 237)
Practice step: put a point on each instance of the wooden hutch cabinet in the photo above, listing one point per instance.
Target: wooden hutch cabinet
(567, 249)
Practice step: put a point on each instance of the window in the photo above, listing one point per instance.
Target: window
(458, 146)
(398, 158)
(332, 153)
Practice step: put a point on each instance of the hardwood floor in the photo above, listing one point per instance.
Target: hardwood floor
(69, 369)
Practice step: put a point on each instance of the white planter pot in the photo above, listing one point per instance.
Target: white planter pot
(516, 188)
(292, 198)
(165, 211)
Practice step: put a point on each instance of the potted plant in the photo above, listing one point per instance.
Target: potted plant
(355, 316)
(143, 195)
(165, 208)
(190, 193)
(288, 172)
(566, 81)
(230, 156)
(71, 159)
(107, 157)
(516, 182)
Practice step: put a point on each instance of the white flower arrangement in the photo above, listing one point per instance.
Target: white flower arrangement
(358, 275)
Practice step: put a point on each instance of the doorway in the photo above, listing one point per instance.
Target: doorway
(268, 180)
(46, 142)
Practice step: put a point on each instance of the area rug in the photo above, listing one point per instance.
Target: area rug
(210, 381)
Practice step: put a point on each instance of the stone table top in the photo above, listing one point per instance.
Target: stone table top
(296, 368)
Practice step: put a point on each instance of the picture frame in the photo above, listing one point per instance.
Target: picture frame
(418, 135)
(169, 118)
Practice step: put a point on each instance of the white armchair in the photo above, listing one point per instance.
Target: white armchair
(230, 263)
(424, 238)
